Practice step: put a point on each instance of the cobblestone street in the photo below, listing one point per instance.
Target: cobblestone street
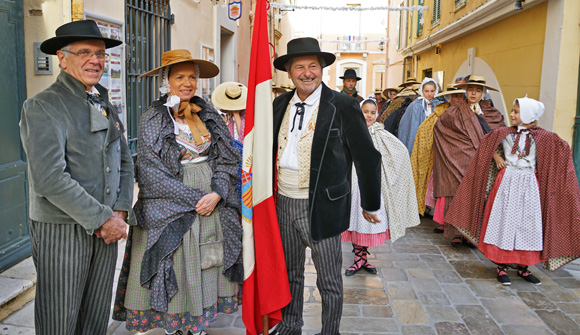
(424, 286)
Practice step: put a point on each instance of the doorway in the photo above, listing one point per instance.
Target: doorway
(14, 234)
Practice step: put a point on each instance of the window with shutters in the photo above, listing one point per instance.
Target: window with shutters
(459, 3)
(403, 19)
(436, 12)
(420, 19)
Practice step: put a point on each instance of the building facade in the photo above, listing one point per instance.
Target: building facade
(533, 51)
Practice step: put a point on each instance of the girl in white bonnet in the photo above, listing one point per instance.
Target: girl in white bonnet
(534, 203)
(514, 227)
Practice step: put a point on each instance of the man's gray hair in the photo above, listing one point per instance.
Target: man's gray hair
(67, 48)
(288, 64)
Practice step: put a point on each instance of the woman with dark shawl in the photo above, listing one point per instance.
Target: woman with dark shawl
(182, 264)
(456, 137)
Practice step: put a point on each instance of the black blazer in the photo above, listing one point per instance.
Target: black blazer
(341, 137)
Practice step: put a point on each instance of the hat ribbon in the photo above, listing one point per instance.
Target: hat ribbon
(236, 97)
(196, 126)
(476, 81)
(170, 59)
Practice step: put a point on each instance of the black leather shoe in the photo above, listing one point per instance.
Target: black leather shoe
(352, 270)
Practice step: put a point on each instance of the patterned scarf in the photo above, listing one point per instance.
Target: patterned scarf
(190, 110)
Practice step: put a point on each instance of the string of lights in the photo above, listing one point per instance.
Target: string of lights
(347, 8)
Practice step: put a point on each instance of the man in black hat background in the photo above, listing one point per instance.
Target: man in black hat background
(80, 174)
(349, 80)
(318, 134)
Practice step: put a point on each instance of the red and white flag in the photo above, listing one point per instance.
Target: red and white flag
(265, 289)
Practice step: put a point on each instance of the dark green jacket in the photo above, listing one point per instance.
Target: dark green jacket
(79, 165)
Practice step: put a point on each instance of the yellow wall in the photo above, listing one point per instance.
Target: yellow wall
(512, 47)
(567, 87)
(448, 15)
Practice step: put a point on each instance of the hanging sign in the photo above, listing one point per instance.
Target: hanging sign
(235, 10)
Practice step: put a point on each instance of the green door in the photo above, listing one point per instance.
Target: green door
(14, 238)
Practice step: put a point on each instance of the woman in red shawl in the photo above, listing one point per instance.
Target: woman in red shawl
(456, 137)
(532, 213)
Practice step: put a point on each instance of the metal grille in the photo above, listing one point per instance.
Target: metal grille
(148, 35)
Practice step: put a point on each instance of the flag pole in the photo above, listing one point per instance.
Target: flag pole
(265, 324)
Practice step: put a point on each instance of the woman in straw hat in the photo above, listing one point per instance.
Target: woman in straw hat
(456, 137)
(230, 97)
(532, 212)
(181, 263)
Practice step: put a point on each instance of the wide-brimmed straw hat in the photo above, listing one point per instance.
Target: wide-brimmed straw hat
(476, 80)
(230, 96)
(409, 81)
(172, 57)
(303, 46)
(350, 74)
(74, 32)
(388, 89)
(451, 89)
(410, 91)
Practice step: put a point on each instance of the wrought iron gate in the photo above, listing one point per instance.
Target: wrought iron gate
(148, 35)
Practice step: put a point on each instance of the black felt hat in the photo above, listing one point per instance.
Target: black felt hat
(350, 74)
(303, 46)
(73, 32)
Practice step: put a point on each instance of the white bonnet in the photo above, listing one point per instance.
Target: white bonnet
(368, 101)
(429, 80)
(530, 109)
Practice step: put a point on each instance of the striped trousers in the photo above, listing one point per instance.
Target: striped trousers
(327, 257)
(74, 285)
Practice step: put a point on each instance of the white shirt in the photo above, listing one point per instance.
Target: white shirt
(98, 106)
(477, 108)
(289, 159)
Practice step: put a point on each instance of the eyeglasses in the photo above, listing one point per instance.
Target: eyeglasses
(86, 54)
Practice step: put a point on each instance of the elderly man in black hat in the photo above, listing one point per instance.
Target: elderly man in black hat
(349, 80)
(80, 174)
(318, 134)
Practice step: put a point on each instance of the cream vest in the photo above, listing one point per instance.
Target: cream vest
(304, 146)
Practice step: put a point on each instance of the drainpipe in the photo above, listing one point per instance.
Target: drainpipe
(576, 137)
(77, 10)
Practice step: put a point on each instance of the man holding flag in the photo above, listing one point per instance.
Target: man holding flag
(318, 134)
